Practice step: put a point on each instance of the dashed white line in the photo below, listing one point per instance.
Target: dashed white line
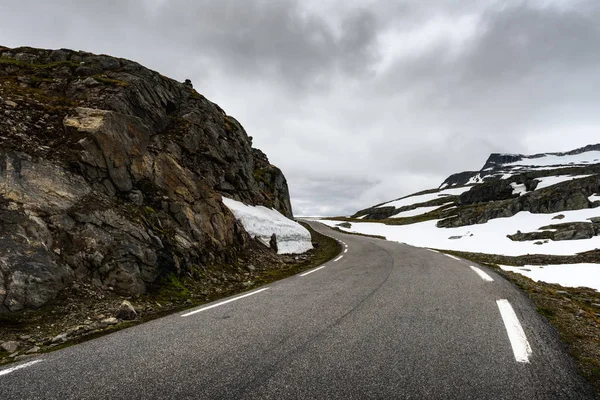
(314, 270)
(433, 251)
(338, 259)
(455, 258)
(345, 251)
(516, 335)
(482, 274)
(223, 302)
(13, 369)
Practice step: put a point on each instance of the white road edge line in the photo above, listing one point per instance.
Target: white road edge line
(13, 369)
(482, 274)
(314, 270)
(345, 251)
(516, 335)
(433, 251)
(455, 258)
(338, 259)
(223, 302)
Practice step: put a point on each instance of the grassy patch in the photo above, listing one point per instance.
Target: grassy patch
(110, 81)
(37, 67)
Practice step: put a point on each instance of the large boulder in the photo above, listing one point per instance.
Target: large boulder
(112, 174)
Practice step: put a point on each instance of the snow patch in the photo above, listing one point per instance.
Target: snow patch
(489, 237)
(518, 188)
(262, 222)
(594, 197)
(548, 181)
(572, 275)
(422, 198)
(549, 160)
(417, 211)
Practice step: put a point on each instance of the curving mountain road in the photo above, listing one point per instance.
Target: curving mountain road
(385, 321)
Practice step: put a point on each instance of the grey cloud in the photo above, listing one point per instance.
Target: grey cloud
(306, 79)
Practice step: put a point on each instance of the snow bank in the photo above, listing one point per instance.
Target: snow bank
(487, 238)
(422, 198)
(262, 222)
(573, 275)
(589, 157)
(418, 211)
(553, 180)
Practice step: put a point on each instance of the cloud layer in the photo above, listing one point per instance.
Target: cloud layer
(358, 102)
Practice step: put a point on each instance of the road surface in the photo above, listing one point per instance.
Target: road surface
(384, 321)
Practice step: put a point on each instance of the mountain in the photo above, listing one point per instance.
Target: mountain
(516, 206)
(501, 165)
(113, 174)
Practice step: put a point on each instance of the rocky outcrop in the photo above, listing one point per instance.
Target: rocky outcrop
(111, 173)
(557, 232)
(488, 191)
(570, 195)
(498, 166)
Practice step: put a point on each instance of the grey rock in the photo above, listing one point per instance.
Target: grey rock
(559, 216)
(10, 346)
(273, 243)
(33, 350)
(126, 312)
(60, 338)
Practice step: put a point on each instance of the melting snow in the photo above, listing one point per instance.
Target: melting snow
(422, 198)
(548, 160)
(572, 275)
(594, 197)
(262, 222)
(417, 211)
(486, 238)
(553, 180)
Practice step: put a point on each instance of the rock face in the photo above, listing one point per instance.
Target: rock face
(112, 173)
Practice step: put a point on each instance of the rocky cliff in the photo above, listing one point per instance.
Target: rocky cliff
(111, 173)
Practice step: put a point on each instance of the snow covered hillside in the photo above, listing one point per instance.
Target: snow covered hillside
(262, 222)
(506, 165)
(546, 204)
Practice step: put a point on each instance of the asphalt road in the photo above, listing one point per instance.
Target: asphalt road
(386, 321)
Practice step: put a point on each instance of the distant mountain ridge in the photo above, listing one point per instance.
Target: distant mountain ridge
(502, 164)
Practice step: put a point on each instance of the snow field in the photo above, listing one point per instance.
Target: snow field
(422, 198)
(589, 157)
(262, 222)
(487, 238)
(417, 211)
(572, 275)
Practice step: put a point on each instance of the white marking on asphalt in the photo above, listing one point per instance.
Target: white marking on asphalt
(338, 259)
(345, 251)
(482, 274)
(314, 270)
(516, 335)
(13, 369)
(455, 258)
(223, 302)
(433, 251)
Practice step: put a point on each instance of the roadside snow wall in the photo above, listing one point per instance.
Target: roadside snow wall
(262, 222)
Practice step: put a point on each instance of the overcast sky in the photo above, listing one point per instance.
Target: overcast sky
(358, 101)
